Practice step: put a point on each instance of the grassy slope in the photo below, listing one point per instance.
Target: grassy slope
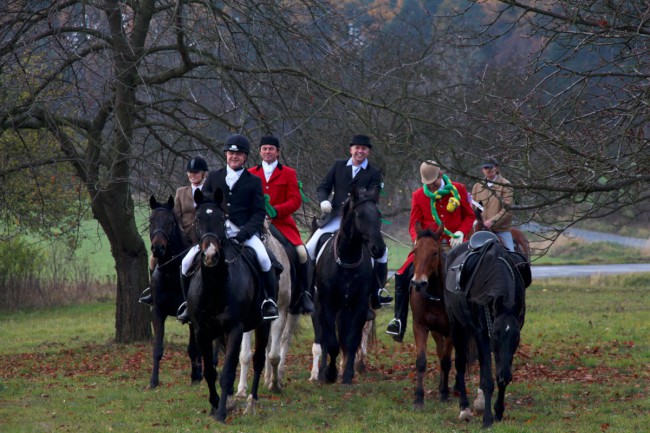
(582, 368)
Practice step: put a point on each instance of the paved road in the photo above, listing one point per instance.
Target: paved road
(586, 270)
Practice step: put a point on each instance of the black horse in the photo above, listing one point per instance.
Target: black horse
(168, 245)
(485, 299)
(224, 301)
(344, 280)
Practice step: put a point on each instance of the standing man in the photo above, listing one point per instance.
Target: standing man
(280, 183)
(495, 196)
(438, 202)
(340, 178)
(245, 213)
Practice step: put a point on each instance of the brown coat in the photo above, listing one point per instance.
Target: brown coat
(184, 210)
(496, 202)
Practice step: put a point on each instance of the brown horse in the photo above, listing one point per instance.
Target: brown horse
(428, 307)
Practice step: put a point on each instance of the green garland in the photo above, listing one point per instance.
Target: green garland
(449, 188)
(270, 210)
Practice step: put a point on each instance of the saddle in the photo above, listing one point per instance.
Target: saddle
(465, 271)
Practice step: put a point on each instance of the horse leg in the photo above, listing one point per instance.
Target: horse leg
(245, 355)
(195, 358)
(229, 370)
(273, 356)
(460, 341)
(209, 370)
(287, 336)
(354, 324)
(486, 381)
(158, 321)
(443, 350)
(328, 372)
(259, 359)
(316, 353)
(420, 335)
(360, 364)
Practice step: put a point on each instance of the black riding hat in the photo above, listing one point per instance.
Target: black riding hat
(270, 140)
(197, 164)
(362, 140)
(237, 143)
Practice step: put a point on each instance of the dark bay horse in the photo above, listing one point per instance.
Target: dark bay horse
(224, 302)
(168, 246)
(344, 280)
(429, 313)
(485, 299)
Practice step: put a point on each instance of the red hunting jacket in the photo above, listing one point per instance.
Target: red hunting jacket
(283, 189)
(461, 219)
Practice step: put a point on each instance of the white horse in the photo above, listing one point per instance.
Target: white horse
(282, 328)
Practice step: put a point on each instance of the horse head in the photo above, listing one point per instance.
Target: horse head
(504, 341)
(209, 225)
(427, 257)
(362, 209)
(162, 224)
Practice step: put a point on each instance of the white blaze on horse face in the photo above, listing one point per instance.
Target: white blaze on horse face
(507, 328)
(211, 251)
(208, 211)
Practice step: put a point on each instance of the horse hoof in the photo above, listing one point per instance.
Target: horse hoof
(418, 405)
(465, 415)
(250, 406)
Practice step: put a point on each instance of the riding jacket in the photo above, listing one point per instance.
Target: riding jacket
(184, 210)
(496, 201)
(282, 188)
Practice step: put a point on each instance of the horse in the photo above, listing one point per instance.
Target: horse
(344, 280)
(282, 328)
(168, 244)
(522, 246)
(485, 299)
(428, 308)
(223, 301)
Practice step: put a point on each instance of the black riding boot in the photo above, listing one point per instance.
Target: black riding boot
(380, 271)
(182, 315)
(146, 297)
(306, 303)
(397, 326)
(269, 286)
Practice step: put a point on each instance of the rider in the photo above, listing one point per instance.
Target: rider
(340, 178)
(197, 170)
(245, 213)
(280, 183)
(494, 196)
(437, 201)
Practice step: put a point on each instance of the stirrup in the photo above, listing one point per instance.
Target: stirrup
(179, 313)
(397, 323)
(145, 297)
(384, 300)
(272, 315)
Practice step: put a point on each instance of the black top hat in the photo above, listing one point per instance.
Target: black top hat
(270, 140)
(362, 140)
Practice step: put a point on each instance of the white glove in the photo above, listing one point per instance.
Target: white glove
(326, 206)
(456, 241)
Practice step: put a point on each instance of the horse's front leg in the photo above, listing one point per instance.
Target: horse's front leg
(273, 356)
(420, 334)
(499, 404)
(444, 346)
(229, 370)
(158, 321)
(259, 359)
(210, 372)
(195, 358)
(328, 372)
(245, 355)
(352, 324)
(287, 336)
(460, 342)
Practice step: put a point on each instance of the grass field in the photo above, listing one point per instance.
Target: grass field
(583, 367)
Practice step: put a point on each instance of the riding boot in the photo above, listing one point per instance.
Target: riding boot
(182, 315)
(380, 273)
(397, 326)
(306, 303)
(269, 287)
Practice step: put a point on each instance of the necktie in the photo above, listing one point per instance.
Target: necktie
(355, 170)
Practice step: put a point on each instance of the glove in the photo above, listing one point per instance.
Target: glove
(326, 206)
(454, 242)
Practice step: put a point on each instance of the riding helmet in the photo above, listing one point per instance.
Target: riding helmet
(197, 164)
(237, 143)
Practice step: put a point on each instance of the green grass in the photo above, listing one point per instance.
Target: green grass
(582, 367)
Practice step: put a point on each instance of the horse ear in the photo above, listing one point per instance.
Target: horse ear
(170, 202)
(198, 196)
(418, 227)
(152, 202)
(218, 196)
(441, 229)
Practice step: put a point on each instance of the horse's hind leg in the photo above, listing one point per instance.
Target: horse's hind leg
(210, 372)
(273, 356)
(460, 346)
(245, 355)
(259, 359)
(287, 336)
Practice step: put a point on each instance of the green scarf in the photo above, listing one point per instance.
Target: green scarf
(270, 210)
(449, 188)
